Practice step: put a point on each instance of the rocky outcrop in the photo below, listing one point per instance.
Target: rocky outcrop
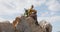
(46, 26)
(6, 27)
(25, 25)
(28, 25)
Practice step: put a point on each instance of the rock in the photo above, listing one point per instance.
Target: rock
(25, 25)
(47, 27)
(28, 25)
(6, 27)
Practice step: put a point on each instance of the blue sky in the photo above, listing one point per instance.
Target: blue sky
(48, 10)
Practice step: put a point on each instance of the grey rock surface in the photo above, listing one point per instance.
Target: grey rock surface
(26, 25)
(6, 27)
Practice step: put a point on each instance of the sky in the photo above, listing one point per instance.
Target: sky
(48, 10)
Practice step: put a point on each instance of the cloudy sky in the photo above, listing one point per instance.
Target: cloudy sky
(48, 10)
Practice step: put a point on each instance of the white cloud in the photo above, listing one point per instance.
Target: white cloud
(49, 19)
(6, 20)
(10, 7)
(16, 6)
(53, 5)
(44, 14)
(3, 20)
